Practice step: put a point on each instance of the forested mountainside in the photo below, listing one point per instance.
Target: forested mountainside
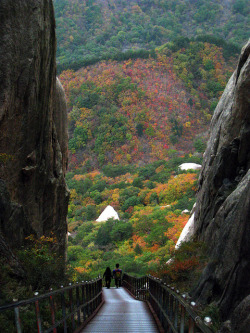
(137, 111)
(89, 30)
(132, 123)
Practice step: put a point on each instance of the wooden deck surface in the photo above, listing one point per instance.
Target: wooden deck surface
(121, 313)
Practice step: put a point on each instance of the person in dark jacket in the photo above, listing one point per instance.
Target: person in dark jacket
(108, 276)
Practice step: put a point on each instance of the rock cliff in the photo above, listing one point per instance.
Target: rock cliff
(223, 203)
(33, 125)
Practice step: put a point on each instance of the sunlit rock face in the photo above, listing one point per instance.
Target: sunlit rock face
(33, 124)
(222, 217)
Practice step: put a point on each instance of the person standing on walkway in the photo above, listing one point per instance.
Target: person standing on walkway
(108, 276)
(117, 275)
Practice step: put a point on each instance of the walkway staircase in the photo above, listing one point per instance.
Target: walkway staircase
(121, 313)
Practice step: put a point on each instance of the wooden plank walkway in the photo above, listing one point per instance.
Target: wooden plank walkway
(121, 313)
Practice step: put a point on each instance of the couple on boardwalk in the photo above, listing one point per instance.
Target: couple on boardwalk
(116, 274)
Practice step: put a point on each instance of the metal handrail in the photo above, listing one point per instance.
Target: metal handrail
(73, 305)
(172, 309)
(137, 286)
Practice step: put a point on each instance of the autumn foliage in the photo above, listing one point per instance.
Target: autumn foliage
(136, 110)
(179, 223)
(131, 124)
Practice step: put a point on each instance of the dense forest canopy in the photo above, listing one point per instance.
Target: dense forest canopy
(137, 110)
(89, 30)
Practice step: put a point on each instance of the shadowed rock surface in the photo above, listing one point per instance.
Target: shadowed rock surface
(33, 125)
(223, 204)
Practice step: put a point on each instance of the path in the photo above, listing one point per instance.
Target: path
(121, 313)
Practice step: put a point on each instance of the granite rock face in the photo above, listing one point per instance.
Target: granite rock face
(222, 218)
(33, 125)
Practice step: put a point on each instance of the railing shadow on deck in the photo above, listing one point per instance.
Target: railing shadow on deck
(171, 308)
(64, 310)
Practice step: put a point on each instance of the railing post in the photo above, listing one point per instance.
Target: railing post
(17, 318)
(71, 308)
(38, 316)
(164, 306)
(78, 304)
(63, 311)
(167, 302)
(91, 297)
(182, 322)
(88, 298)
(171, 308)
(52, 310)
(84, 301)
(176, 311)
(160, 301)
(191, 325)
(95, 293)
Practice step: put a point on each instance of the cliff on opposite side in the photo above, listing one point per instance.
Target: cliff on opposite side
(223, 204)
(33, 127)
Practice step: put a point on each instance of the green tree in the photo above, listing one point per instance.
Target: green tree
(75, 253)
(79, 140)
(139, 129)
(103, 236)
(96, 195)
(137, 182)
(154, 199)
(138, 249)
(130, 202)
(199, 145)
(121, 231)
(90, 212)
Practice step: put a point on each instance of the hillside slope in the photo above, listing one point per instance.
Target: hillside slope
(138, 111)
(91, 30)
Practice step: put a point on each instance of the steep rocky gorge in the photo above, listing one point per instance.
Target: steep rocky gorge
(223, 202)
(33, 126)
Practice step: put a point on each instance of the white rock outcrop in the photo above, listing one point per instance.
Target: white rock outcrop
(189, 166)
(187, 232)
(108, 213)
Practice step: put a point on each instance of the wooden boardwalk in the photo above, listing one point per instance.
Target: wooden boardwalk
(121, 313)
